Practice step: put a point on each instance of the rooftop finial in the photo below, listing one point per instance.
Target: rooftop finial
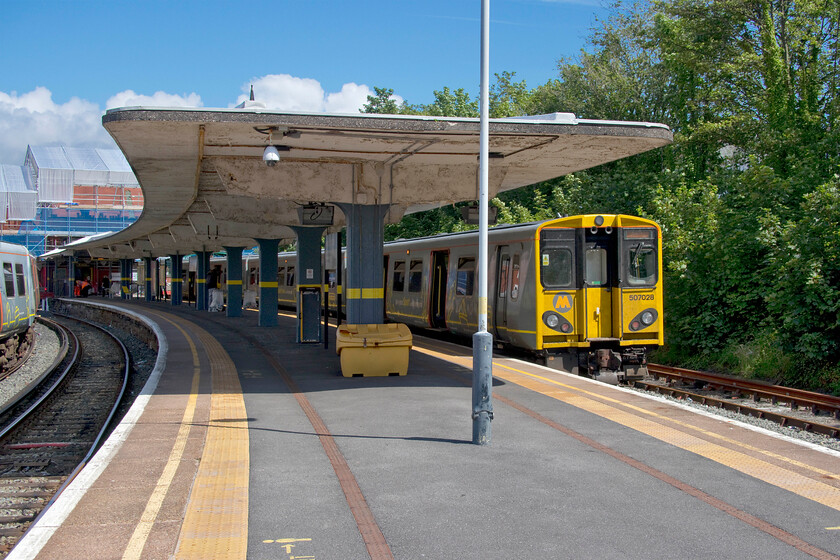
(250, 103)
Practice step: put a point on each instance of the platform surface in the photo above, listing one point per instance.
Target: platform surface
(253, 446)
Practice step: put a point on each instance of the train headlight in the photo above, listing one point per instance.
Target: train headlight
(644, 319)
(557, 322)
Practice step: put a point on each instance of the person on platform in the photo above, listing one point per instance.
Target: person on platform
(217, 298)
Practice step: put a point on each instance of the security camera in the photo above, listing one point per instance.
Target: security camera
(271, 156)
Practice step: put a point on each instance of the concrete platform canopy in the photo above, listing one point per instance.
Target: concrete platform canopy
(206, 185)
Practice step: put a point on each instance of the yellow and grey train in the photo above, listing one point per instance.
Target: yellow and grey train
(583, 293)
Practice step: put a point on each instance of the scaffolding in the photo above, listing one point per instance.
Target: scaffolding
(72, 193)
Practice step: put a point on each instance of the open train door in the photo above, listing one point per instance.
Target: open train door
(500, 299)
(437, 299)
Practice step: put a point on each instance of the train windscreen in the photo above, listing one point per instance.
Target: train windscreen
(557, 263)
(640, 256)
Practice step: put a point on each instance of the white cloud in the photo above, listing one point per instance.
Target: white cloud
(350, 99)
(34, 118)
(128, 98)
(288, 93)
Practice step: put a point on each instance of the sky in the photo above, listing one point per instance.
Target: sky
(64, 63)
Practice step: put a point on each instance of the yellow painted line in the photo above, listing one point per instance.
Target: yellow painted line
(201, 280)
(216, 521)
(268, 284)
(234, 282)
(365, 293)
(138, 539)
(585, 400)
(832, 528)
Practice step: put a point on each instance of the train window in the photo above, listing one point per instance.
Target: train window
(514, 281)
(556, 267)
(595, 273)
(640, 255)
(290, 276)
(642, 266)
(415, 276)
(21, 280)
(9, 277)
(281, 276)
(503, 276)
(466, 276)
(399, 276)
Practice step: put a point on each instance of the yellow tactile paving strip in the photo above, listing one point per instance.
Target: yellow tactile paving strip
(648, 422)
(216, 522)
(134, 549)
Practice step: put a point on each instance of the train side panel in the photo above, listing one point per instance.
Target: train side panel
(18, 289)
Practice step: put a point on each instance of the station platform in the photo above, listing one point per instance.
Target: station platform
(253, 446)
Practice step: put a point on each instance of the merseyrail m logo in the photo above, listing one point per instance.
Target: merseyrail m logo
(563, 302)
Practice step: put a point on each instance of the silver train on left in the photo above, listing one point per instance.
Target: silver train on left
(19, 301)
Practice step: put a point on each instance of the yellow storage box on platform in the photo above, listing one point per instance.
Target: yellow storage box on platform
(373, 350)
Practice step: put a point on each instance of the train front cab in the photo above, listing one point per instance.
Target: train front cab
(600, 286)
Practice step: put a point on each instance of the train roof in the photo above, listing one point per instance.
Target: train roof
(582, 220)
(13, 248)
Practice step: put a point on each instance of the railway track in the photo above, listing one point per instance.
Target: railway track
(50, 433)
(753, 398)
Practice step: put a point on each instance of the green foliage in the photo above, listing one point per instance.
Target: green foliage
(384, 102)
(806, 298)
(509, 98)
(451, 104)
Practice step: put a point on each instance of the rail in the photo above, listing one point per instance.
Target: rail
(754, 390)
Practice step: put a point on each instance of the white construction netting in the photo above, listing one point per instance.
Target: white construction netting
(18, 200)
(56, 169)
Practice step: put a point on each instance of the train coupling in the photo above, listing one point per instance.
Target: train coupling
(612, 367)
(605, 366)
(634, 363)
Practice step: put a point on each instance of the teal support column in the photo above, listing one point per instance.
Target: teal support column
(157, 280)
(268, 282)
(177, 280)
(234, 281)
(71, 276)
(147, 262)
(309, 283)
(125, 278)
(202, 267)
(363, 292)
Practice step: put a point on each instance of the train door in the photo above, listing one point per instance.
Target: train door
(598, 267)
(440, 267)
(500, 304)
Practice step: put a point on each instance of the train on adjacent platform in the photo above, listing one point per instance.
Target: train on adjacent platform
(19, 301)
(582, 293)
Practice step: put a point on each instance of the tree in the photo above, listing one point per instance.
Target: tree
(384, 102)
(509, 98)
(450, 104)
